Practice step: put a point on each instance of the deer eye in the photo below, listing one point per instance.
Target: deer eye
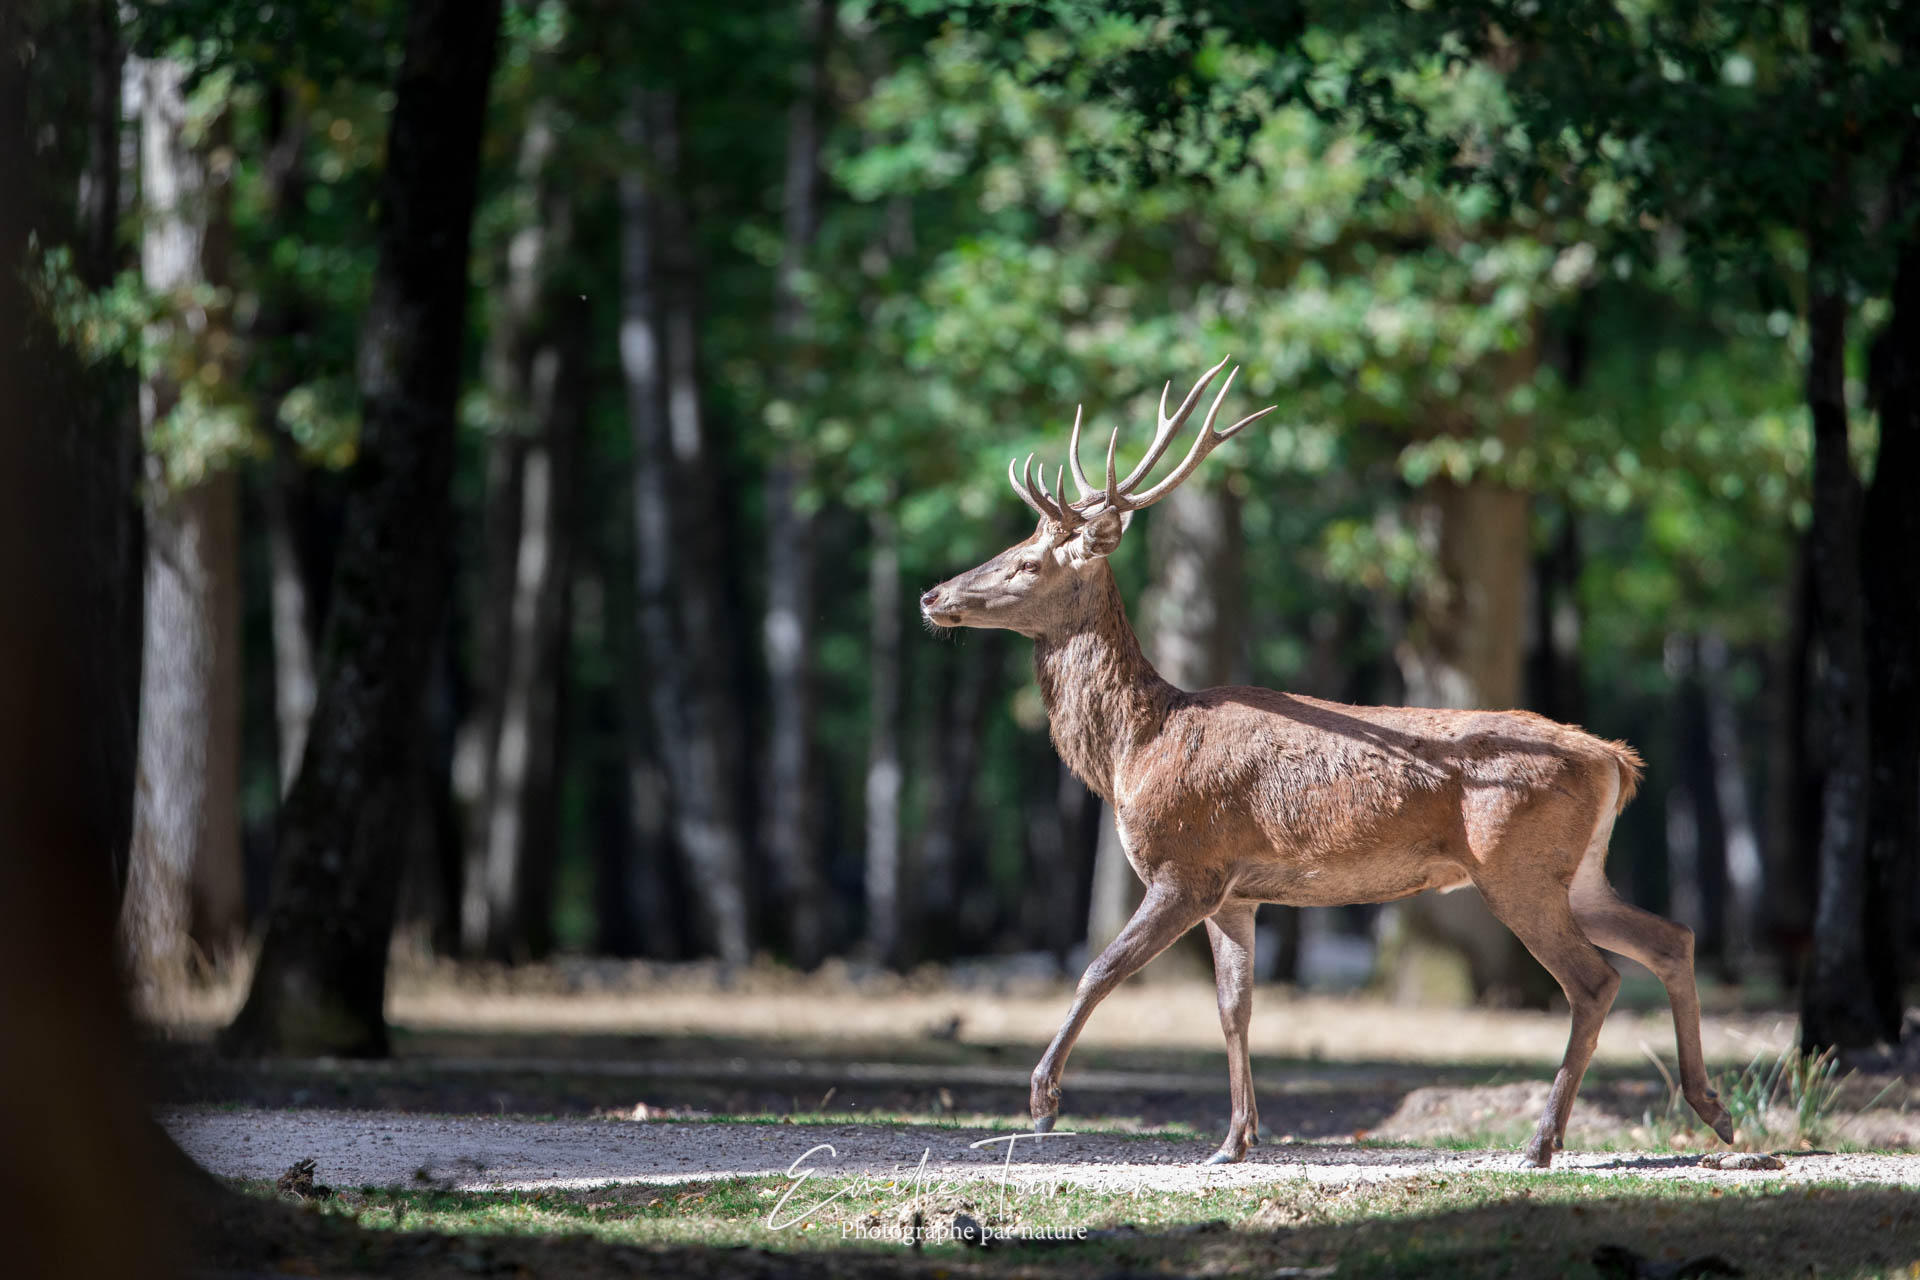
(1027, 566)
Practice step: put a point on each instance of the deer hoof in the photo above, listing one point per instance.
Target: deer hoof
(1043, 1124)
(1724, 1127)
(1540, 1154)
(1225, 1155)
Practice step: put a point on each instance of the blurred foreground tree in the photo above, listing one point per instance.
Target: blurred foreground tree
(71, 1115)
(320, 984)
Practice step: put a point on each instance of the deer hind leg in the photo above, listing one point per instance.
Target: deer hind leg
(1664, 947)
(1230, 931)
(1539, 913)
(1163, 915)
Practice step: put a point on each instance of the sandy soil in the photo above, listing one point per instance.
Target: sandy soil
(392, 1149)
(1158, 1015)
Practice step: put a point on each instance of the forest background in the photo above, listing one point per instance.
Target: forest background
(514, 449)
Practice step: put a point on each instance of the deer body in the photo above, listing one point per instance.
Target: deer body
(1296, 800)
(1229, 797)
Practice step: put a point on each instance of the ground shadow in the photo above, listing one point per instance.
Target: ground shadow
(584, 1075)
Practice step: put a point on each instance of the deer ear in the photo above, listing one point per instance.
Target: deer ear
(1100, 535)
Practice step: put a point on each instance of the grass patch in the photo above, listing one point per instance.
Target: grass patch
(1494, 1223)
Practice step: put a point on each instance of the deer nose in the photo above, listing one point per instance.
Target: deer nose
(928, 597)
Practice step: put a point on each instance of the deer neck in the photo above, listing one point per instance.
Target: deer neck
(1103, 697)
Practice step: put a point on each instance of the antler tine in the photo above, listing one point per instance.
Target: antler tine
(1062, 510)
(1113, 482)
(1026, 494)
(1203, 444)
(1073, 456)
(1168, 427)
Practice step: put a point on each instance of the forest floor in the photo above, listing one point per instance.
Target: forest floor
(560, 1125)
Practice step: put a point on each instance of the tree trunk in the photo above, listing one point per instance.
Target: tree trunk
(1195, 634)
(1746, 877)
(186, 843)
(538, 363)
(293, 609)
(1554, 685)
(791, 827)
(883, 744)
(1836, 1005)
(953, 764)
(1890, 572)
(70, 1101)
(321, 979)
(1794, 774)
(680, 530)
(98, 253)
(1696, 825)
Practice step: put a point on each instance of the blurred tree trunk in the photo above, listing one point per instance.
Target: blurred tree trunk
(952, 758)
(287, 493)
(1746, 875)
(684, 621)
(98, 249)
(1195, 635)
(1081, 815)
(1836, 1003)
(1890, 570)
(108, 485)
(320, 983)
(1794, 783)
(1696, 822)
(791, 826)
(185, 859)
(1462, 649)
(537, 368)
(70, 1102)
(883, 743)
(1555, 687)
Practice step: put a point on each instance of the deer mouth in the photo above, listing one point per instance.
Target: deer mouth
(942, 617)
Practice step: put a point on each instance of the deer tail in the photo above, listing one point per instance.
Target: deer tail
(1631, 767)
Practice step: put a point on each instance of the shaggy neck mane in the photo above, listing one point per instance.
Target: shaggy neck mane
(1102, 695)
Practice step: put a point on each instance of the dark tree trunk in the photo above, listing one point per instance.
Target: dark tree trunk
(538, 369)
(1555, 686)
(98, 253)
(321, 979)
(683, 612)
(953, 763)
(1727, 760)
(1696, 824)
(1890, 573)
(70, 1103)
(185, 861)
(792, 838)
(884, 773)
(287, 493)
(1836, 1007)
(1794, 783)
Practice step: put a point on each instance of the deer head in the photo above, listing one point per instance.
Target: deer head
(1031, 586)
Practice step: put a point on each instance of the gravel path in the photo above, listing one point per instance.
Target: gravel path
(356, 1148)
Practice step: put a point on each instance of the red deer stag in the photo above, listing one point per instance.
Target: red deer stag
(1230, 797)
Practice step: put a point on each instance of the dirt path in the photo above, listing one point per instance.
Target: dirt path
(353, 1149)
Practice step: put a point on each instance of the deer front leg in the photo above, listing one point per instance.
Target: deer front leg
(1230, 931)
(1167, 911)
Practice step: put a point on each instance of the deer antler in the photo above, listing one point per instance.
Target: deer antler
(1119, 495)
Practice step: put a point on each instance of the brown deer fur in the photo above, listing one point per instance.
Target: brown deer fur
(1229, 797)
